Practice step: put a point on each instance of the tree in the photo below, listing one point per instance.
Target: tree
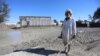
(4, 12)
(90, 17)
(61, 21)
(55, 21)
(96, 14)
(80, 21)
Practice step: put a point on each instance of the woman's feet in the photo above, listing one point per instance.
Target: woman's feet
(67, 49)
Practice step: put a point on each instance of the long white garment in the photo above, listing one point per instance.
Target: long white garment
(68, 30)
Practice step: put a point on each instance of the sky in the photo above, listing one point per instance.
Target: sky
(54, 8)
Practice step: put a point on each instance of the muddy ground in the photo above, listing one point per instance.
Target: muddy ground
(45, 42)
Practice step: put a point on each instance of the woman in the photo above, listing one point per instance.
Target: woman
(68, 28)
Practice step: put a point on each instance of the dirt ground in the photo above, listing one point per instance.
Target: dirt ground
(45, 42)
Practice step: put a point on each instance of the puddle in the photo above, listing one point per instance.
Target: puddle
(10, 37)
(14, 35)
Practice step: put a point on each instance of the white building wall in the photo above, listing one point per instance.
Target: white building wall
(37, 21)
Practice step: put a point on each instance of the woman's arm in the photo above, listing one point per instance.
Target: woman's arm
(74, 27)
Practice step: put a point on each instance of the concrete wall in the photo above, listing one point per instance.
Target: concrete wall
(35, 20)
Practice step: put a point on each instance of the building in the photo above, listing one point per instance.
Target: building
(35, 21)
(97, 20)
